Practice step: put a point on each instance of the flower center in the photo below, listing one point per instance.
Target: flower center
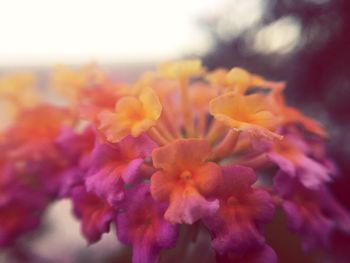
(233, 201)
(186, 175)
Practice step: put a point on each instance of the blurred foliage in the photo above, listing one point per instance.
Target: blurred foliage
(316, 66)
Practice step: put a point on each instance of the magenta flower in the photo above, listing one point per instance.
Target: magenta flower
(261, 254)
(33, 172)
(294, 157)
(313, 214)
(21, 210)
(143, 227)
(76, 148)
(95, 213)
(113, 165)
(176, 147)
(236, 227)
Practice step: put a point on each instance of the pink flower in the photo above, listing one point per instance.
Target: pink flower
(236, 227)
(75, 149)
(142, 226)
(21, 210)
(261, 254)
(294, 157)
(95, 213)
(313, 214)
(113, 165)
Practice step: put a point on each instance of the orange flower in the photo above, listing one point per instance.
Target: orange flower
(93, 101)
(186, 180)
(133, 115)
(43, 122)
(245, 113)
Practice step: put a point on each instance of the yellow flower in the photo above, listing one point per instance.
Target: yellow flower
(146, 79)
(244, 113)
(17, 93)
(19, 90)
(181, 69)
(69, 83)
(133, 115)
(237, 79)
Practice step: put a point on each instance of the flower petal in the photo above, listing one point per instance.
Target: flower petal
(161, 186)
(187, 206)
(142, 225)
(208, 178)
(95, 214)
(181, 154)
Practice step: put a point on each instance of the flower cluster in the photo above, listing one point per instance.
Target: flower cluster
(180, 146)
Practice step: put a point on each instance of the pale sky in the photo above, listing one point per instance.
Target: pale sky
(45, 32)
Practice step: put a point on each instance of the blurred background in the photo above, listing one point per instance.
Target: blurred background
(303, 42)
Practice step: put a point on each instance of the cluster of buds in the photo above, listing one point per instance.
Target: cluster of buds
(218, 151)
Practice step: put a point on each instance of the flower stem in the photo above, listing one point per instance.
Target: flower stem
(164, 131)
(155, 135)
(186, 109)
(202, 121)
(215, 131)
(257, 161)
(167, 117)
(227, 145)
